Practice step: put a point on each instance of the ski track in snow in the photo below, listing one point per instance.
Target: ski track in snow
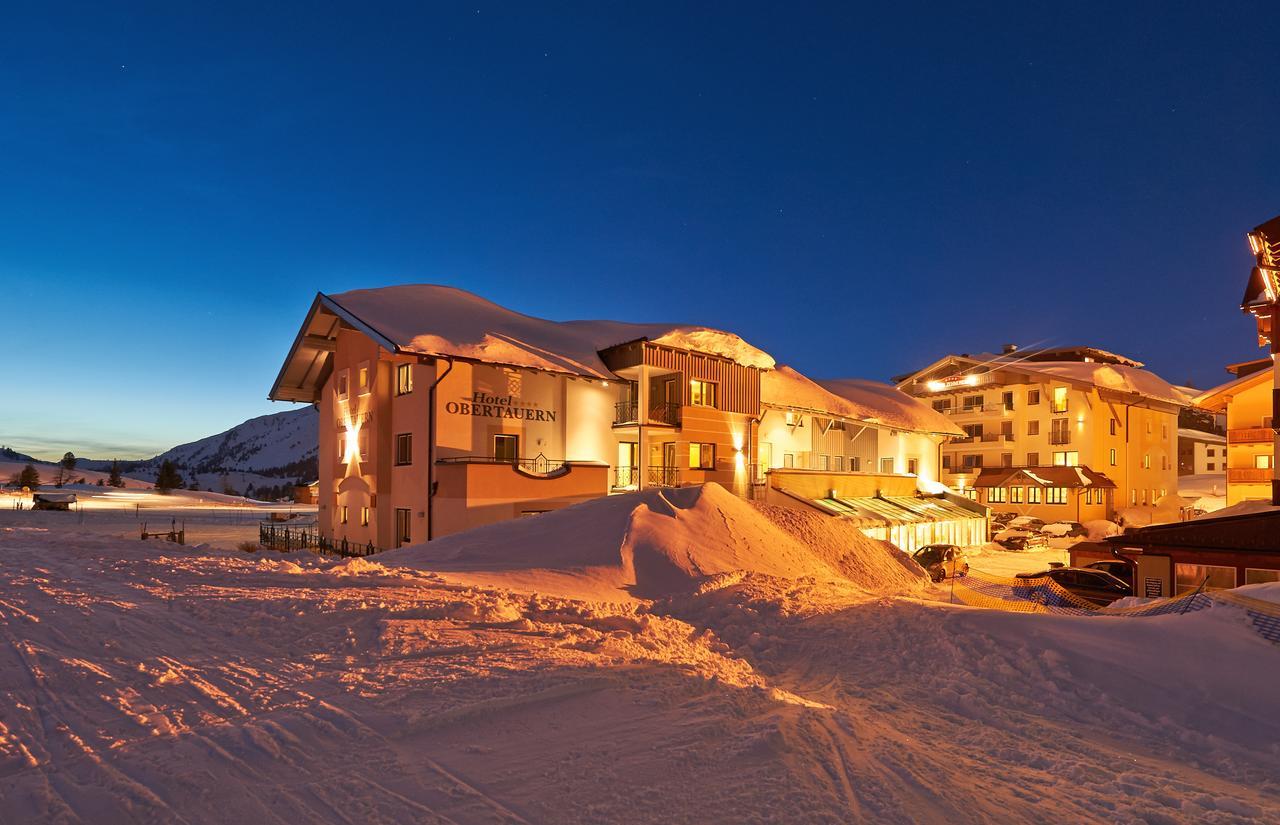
(153, 683)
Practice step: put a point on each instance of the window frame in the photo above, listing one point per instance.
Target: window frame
(698, 388)
(514, 439)
(702, 448)
(404, 449)
(404, 379)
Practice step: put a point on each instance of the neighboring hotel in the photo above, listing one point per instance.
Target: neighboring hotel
(441, 411)
(1068, 433)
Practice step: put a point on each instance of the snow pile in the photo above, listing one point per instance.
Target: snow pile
(1101, 528)
(1116, 377)
(656, 543)
(441, 320)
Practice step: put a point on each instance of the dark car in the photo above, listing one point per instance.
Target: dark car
(1096, 586)
(1003, 517)
(1121, 570)
(941, 561)
(1020, 540)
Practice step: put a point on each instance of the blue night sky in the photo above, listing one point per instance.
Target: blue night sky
(856, 190)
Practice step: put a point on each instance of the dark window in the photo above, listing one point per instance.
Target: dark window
(1033, 397)
(1033, 459)
(913, 466)
(506, 448)
(402, 526)
(1033, 428)
(404, 448)
(1007, 398)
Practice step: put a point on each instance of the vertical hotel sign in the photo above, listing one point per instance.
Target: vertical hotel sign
(484, 405)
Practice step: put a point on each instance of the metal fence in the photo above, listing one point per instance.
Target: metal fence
(284, 538)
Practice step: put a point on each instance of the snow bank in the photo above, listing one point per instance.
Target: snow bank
(852, 398)
(653, 544)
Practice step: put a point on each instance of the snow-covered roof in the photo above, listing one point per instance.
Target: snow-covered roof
(867, 401)
(429, 319)
(1201, 435)
(1216, 398)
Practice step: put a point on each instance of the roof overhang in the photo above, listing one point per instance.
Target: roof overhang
(310, 359)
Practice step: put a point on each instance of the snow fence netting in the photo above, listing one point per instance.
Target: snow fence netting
(1044, 595)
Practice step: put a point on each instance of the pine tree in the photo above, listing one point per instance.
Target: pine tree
(114, 479)
(29, 477)
(168, 478)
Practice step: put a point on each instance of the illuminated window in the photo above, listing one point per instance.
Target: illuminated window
(506, 448)
(404, 379)
(1033, 397)
(404, 448)
(702, 393)
(1146, 461)
(1262, 462)
(702, 456)
(1033, 495)
(1088, 496)
(1069, 458)
(362, 375)
(364, 516)
(1015, 495)
(1133, 497)
(1113, 456)
(1033, 428)
(1055, 495)
(342, 514)
(1059, 400)
(996, 495)
(1189, 577)
(341, 386)
(913, 466)
(402, 526)
(1255, 575)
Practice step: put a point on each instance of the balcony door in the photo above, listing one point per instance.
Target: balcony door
(506, 448)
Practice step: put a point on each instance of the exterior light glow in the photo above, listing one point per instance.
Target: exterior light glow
(933, 386)
(1254, 244)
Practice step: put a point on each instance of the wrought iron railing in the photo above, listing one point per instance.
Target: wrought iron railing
(661, 412)
(285, 538)
(626, 476)
(661, 476)
(539, 465)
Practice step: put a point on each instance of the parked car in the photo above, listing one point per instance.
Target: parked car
(1003, 517)
(1071, 529)
(1020, 540)
(1121, 570)
(1027, 523)
(1096, 586)
(941, 561)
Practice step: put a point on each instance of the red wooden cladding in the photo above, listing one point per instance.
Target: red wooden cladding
(737, 387)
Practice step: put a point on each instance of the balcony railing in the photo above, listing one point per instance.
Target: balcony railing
(1250, 435)
(976, 408)
(626, 477)
(539, 465)
(1249, 475)
(659, 476)
(997, 438)
(663, 413)
(1060, 438)
(1058, 408)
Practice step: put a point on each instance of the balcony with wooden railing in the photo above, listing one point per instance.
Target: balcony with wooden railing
(1250, 435)
(1249, 475)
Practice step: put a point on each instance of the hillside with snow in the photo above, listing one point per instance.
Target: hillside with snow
(267, 451)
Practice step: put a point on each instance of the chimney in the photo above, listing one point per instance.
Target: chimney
(1009, 349)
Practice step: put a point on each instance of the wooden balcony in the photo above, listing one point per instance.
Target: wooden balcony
(1250, 435)
(1248, 475)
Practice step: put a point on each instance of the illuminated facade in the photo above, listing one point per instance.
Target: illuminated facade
(1073, 407)
(1262, 301)
(1250, 450)
(441, 412)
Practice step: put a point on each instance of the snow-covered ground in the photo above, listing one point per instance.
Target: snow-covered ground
(1207, 491)
(209, 518)
(156, 683)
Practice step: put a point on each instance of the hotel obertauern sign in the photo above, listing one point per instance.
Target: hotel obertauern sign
(499, 406)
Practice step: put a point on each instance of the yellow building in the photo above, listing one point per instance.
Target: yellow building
(1247, 402)
(1069, 407)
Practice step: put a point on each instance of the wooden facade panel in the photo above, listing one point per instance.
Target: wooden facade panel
(737, 387)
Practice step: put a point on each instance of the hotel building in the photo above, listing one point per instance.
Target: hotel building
(1071, 433)
(441, 411)
(1250, 453)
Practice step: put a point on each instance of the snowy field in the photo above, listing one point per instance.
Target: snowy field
(209, 518)
(146, 682)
